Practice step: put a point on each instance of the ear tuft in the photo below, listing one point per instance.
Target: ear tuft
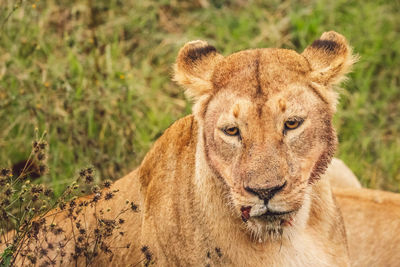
(330, 58)
(327, 45)
(198, 50)
(194, 67)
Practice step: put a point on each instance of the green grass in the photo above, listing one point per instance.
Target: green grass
(96, 75)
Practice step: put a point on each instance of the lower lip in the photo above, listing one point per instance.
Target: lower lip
(272, 213)
(286, 219)
(245, 210)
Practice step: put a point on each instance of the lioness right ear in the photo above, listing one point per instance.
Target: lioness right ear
(330, 58)
(194, 67)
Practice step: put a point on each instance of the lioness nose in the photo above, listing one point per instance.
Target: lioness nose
(265, 193)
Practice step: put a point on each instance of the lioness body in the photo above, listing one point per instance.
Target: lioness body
(372, 220)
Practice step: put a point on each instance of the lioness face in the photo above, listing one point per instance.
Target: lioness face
(268, 138)
(266, 122)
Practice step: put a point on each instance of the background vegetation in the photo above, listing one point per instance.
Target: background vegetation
(96, 75)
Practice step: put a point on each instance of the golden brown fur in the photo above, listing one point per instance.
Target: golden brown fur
(232, 184)
(372, 220)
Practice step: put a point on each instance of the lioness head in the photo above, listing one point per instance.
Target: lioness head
(265, 116)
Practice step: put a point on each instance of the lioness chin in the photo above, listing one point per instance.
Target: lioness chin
(238, 182)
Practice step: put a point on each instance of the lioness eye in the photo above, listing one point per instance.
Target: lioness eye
(292, 124)
(232, 131)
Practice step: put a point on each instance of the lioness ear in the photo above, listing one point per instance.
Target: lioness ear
(330, 58)
(195, 66)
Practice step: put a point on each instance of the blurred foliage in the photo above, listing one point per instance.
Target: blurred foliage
(96, 75)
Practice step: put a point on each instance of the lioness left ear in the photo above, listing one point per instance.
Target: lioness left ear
(330, 58)
(195, 66)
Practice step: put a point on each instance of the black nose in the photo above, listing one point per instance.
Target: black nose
(266, 193)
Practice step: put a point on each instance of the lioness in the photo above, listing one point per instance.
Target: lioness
(238, 182)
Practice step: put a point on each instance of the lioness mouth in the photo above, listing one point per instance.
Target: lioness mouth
(275, 213)
(284, 218)
(268, 215)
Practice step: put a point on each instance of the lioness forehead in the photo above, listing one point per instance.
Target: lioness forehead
(260, 71)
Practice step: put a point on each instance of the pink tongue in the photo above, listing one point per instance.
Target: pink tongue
(245, 213)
